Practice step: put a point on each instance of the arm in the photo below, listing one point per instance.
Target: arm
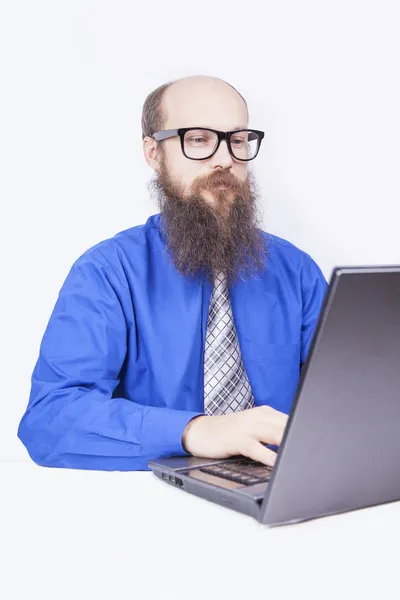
(72, 420)
(314, 287)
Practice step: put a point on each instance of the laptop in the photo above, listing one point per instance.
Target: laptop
(341, 447)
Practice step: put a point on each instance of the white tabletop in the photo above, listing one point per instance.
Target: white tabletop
(92, 534)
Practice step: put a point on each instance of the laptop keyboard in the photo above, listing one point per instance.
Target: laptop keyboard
(243, 470)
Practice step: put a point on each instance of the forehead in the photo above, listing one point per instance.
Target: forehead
(213, 105)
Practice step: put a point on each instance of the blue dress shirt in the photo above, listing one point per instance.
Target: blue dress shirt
(120, 370)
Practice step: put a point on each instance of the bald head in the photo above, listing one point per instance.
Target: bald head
(203, 101)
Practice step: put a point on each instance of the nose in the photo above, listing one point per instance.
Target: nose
(222, 157)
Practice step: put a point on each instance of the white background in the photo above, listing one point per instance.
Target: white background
(321, 79)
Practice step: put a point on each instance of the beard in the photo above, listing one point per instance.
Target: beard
(204, 238)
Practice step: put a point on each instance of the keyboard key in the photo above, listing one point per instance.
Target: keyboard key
(253, 480)
(244, 471)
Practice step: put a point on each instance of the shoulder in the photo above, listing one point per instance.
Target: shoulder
(286, 256)
(110, 259)
(111, 251)
(281, 249)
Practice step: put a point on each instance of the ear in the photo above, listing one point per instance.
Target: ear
(150, 147)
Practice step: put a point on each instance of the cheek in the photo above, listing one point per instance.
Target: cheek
(186, 172)
(241, 172)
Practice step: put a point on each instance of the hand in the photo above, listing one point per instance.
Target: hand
(242, 432)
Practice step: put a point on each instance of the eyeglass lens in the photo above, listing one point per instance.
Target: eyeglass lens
(200, 143)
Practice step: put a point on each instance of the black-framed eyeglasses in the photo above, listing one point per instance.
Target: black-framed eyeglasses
(200, 143)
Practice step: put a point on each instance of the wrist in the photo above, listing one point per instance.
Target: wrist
(187, 430)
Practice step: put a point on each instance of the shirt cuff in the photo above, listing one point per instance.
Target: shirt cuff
(166, 430)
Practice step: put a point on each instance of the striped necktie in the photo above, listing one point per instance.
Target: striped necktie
(226, 386)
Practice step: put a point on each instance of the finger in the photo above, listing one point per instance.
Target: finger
(280, 416)
(268, 433)
(260, 453)
(276, 435)
(276, 416)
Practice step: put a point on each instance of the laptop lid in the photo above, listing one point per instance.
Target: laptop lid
(341, 447)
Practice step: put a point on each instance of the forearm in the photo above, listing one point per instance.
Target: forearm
(87, 430)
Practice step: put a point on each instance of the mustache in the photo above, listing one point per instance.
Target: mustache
(214, 180)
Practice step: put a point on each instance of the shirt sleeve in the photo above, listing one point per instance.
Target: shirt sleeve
(71, 419)
(314, 287)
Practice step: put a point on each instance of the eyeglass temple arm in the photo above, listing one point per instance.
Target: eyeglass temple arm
(163, 135)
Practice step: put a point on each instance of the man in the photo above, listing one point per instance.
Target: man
(185, 335)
